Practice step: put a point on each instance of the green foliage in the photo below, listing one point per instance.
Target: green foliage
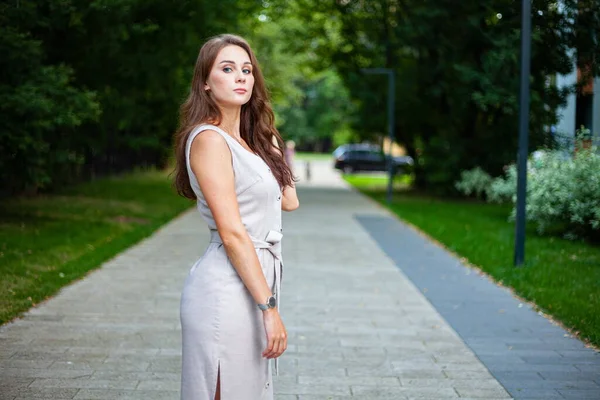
(503, 189)
(311, 102)
(93, 87)
(474, 182)
(40, 109)
(563, 193)
(566, 193)
(325, 111)
(457, 73)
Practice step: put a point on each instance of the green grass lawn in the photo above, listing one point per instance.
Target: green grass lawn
(378, 181)
(302, 156)
(48, 241)
(561, 277)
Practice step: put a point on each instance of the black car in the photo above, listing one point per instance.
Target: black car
(363, 157)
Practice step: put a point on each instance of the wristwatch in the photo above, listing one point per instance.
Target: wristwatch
(270, 303)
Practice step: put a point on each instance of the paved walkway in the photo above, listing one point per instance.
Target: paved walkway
(359, 327)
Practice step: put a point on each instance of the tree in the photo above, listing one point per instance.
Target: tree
(311, 102)
(93, 87)
(40, 107)
(457, 73)
(326, 112)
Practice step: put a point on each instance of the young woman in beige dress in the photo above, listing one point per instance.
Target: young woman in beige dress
(230, 160)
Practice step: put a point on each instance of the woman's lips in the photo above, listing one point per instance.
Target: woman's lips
(240, 91)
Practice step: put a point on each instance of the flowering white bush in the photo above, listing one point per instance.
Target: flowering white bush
(567, 192)
(562, 191)
(504, 189)
(475, 181)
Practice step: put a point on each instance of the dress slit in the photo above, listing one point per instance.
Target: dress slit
(217, 395)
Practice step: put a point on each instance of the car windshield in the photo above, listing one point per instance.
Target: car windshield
(353, 148)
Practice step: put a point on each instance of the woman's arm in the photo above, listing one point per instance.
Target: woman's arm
(289, 201)
(210, 159)
(289, 197)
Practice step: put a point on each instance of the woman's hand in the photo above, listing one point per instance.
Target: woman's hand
(276, 334)
(290, 199)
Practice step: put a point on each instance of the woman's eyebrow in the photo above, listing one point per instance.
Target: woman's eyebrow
(231, 62)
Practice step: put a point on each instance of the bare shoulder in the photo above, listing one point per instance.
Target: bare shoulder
(209, 140)
(210, 153)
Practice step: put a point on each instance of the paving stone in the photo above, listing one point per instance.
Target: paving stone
(529, 394)
(519, 375)
(515, 340)
(483, 393)
(570, 376)
(12, 373)
(354, 380)
(371, 392)
(580, 393)
(464, 398)
(327, 397)
(551, 384)
(489, 383)
(83, 382)
(525, 367)
(43, 393)
(479, 374)
(323, 390)
(136, 376)
(47, 398)
(562, 360)
(32, 364)
(159, 385)
(593, 368)
(358, 326)
(107, 394)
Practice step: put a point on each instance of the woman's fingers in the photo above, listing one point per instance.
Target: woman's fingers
(278, 348)
(276, 336)
(269, 349)
(280, 345)
(275, 351)
(283, 344)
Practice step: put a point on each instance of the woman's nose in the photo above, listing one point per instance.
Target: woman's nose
(241, 78)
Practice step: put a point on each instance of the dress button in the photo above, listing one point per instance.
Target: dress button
(278, 197)
(267, 385)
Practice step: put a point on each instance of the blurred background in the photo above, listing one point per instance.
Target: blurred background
(92, 88)
(89, 98)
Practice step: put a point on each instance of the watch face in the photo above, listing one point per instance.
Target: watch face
(272, 302)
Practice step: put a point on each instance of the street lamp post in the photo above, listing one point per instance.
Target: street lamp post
(523, 133)
(390, 109)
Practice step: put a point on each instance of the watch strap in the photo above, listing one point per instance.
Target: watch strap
(270, 303)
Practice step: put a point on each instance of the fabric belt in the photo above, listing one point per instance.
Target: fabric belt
(273, 246)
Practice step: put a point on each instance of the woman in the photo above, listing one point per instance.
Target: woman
(227, 161)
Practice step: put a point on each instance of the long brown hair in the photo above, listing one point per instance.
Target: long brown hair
(257, 121)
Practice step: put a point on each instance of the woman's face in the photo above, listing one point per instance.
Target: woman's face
(230, 81)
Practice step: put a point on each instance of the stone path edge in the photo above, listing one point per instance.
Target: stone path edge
(528, 355)
(478, 270)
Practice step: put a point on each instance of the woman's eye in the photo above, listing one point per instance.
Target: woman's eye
(247, 71)
(227, 69)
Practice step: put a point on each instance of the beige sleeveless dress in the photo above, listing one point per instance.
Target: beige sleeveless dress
(222, 327)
